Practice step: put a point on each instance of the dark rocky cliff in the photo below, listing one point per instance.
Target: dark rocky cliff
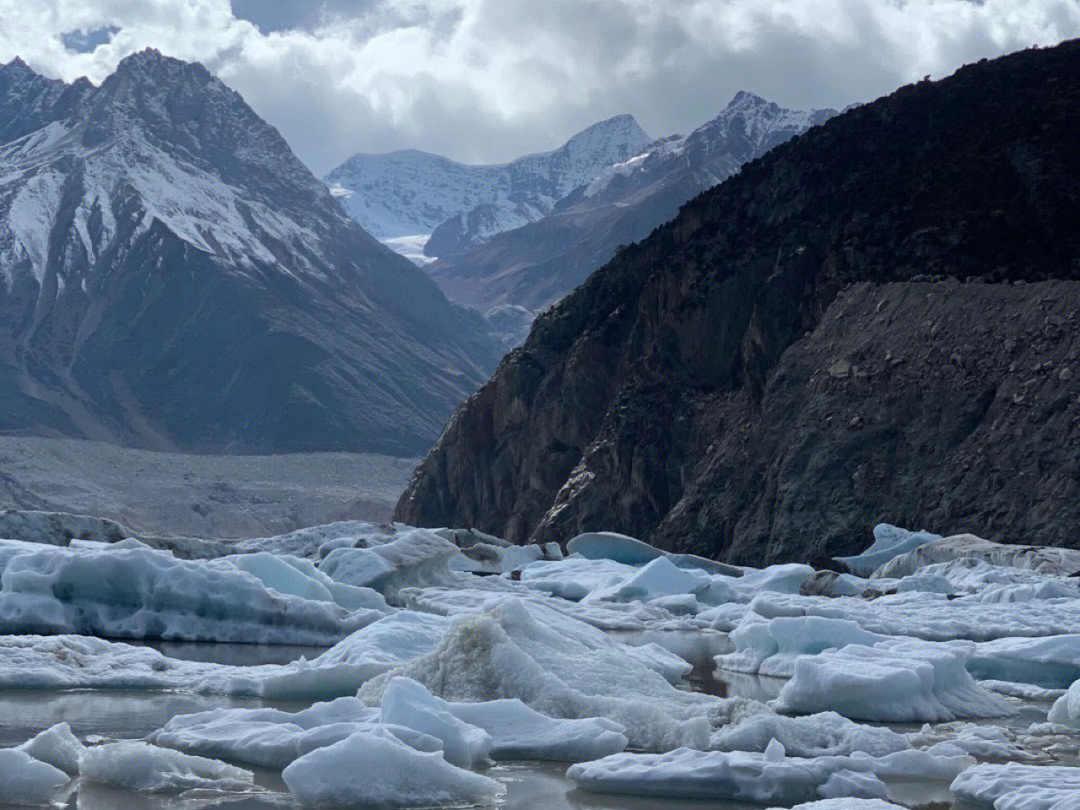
(847, 331)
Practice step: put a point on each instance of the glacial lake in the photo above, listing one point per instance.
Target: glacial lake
(105, 716)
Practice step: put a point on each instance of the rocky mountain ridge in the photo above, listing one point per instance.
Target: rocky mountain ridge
(535, 265)
(872, 322)
(172, 277)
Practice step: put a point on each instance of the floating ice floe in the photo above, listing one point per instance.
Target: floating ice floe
(147, 768)
(295, 576)
(813, 735)
(1066, 709)
(271, 738)
(898, 680)
(1051, 662)
(932, 617)
(488, 558)
(986, 742)
(473, 596)
(84, 662)
(466, 733)
(25, 780)
(1041, 559)
(631, 551)
(314, 542)
(771, 646)
(56, 746)
(144, 594)
(407, 703)
(765, 778)
(889, 542)
(560, 667)
(416, 557)
(519, 732)
(375, 769)
(1019, 787)
(762, 778)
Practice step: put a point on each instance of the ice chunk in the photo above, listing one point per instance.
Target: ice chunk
(558, 666)
(889, 542)
(58, 528)
(770, 646)
(148, 768)
(56, 746)
(1051, 662)
(519, 732)
(407, 703)
(613, 546)
(376, 769)
(984, 742)
(732, 776)
(390, 641)
(575, 578)
(1066, 709)
(307, 542)
(82, 662)
(25, 780)
(631, 551)
(138, 593)
(1019, 787)
(277, 572)
(271, 738)
(491, 559)
(932, 616)
(814, 735)
(658, 578)
(899, 680)
(414, 557)
(299, 577)
(1042, 559)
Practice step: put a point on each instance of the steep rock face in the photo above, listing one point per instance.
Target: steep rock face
(171, 276)
(771, 373)
(535, 265)
(409, 192)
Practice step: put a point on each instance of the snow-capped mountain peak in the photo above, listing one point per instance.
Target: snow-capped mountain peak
(409, 192)
(143, 215)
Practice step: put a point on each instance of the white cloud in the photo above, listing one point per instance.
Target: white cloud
(490, 79)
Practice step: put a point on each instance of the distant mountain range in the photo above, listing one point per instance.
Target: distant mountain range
(536, 264)
(876, 321)
(410, 193)
(523, 234)
(171, 276)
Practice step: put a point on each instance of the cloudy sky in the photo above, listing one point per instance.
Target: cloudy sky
(488, 80)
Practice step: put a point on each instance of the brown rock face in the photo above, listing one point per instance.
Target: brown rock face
(847, 331)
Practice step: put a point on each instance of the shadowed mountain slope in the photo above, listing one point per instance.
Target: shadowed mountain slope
(875, 321)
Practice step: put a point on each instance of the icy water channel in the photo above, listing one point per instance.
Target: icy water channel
(104, 716)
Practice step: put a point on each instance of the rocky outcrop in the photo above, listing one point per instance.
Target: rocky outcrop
(876, 321)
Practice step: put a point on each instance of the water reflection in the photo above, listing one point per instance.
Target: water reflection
(113, 715)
